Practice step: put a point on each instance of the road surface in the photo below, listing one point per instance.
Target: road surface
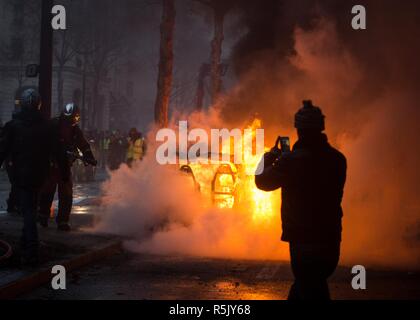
(137, 276)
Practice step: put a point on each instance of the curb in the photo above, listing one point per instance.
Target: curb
(37, 279)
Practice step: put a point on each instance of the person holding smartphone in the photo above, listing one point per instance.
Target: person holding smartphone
(312, 177)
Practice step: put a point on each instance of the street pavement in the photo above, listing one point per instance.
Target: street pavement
(80, 247)
(148, 277)
(126, 275)
(86, 195)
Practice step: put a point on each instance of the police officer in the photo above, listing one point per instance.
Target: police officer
(12, 201)
(27, 140)
(12, 205)
(312, 178)
(70, 142)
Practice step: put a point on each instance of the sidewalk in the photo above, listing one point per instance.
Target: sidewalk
(72, 250)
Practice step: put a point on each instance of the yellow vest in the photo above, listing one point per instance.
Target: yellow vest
(135, 149)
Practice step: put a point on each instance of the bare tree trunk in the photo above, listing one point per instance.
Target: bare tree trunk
(60, 86)
(200, 94)
(216, 55)
(164, 86)
(46, 58)
(204, 72)
(100, 112)
(84, 108)
(95, 104)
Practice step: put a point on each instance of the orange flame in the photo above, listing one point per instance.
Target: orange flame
(228, 186)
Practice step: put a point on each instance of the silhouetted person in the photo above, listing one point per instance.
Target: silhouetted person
(71, 141)
(312, 178)
(117, 154)
(135, 150)
(12, 201)
(27, 141)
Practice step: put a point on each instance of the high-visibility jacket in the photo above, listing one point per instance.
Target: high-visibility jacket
(105, 143)
(135, 149)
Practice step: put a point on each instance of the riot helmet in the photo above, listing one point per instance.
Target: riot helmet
(71, 112)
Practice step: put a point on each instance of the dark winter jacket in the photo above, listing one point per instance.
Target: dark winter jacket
(27, 141)
(70, 139)
(312, 179)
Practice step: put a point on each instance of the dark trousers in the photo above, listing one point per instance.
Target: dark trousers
(312, 265)
(27, 204)
(65, 196)
(12, 201)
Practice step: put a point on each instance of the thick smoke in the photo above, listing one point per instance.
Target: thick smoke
(157, 208)
(365, 81)
(367, 84)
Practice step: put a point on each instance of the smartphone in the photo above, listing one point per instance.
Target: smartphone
(285, 144)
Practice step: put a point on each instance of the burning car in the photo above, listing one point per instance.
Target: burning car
(228, 185)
